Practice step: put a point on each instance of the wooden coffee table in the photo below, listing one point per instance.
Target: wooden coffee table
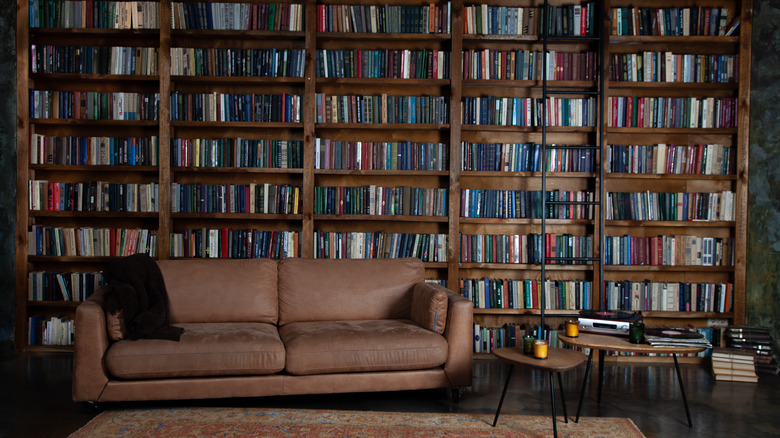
(558, 360)
(605, 343)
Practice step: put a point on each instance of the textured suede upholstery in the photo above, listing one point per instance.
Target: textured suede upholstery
(221, 290)
(323, 347)
(298, 326)
(205, 349)
(333, 290)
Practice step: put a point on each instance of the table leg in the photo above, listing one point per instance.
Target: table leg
(602, 353)
(501, 402)
(552, 400)
(584, 384)
(682, 390)
(563, 399)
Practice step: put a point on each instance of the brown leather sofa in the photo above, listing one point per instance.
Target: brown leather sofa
(260, 327)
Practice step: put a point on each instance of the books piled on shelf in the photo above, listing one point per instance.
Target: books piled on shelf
(754, 340)
(675, 337)
(734, 365)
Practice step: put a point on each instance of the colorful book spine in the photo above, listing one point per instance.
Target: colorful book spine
(236, 152)
(669, 206)
(92, 196)
(362, 155)
(487, 293)
(669, 296)
(380, 244)
(235, 243)
(94, 151)
(91, 242)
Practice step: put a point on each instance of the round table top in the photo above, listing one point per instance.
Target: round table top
(558, 359)
(620, 343)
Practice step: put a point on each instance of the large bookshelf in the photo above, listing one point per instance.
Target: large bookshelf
(240, 154)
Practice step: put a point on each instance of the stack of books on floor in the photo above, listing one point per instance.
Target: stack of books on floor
(734, 365)
(756, 340)
(675, 337)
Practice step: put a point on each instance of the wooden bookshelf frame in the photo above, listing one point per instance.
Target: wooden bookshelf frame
(453, 133)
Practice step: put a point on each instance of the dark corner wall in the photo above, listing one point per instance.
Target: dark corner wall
(7, 170)
(763, 259)
(763, 246)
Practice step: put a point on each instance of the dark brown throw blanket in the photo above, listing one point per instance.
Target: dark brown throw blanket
(136, 286)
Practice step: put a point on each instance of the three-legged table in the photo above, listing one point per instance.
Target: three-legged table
(558, 360)
(605, 343)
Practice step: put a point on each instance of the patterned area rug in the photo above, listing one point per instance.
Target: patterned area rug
(299, 423)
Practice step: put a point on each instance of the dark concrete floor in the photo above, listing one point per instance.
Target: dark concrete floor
(37, 398)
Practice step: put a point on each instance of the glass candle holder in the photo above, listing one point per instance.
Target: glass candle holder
(636, 333)
(572, 328)
(528, 344)
(540, 349)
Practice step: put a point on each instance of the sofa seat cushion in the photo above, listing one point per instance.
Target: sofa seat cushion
(322, 347)
(205, 349)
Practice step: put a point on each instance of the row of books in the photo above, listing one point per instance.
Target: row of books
(50, 330)
(199, 61)
(94, 151)
(499, 20)
(235, 198)
(487, 339)
(376, 200)
(524, 65)
(367, 155)
(526, 157)
(91, 242)
(755, 341)
(569, 20)
(62, 286)
(702, 21)
(237, 16)
(671, 250)
(487, 293)
(674, 67)
(93, 105)
(395, 64)
(380, 244)
(101, 60)
(92, 196)
(513, 204)
(236, 152)
(226, 107)
(382, 109)
(530, 248)
(669, 297)
(648, 206)
(235, 243)
(427, 19)
(527, 111)
(87, 14)
(734, 365)
(692, 159)
(672, 112)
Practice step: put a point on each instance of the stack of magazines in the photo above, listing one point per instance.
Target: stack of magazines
(675, 337)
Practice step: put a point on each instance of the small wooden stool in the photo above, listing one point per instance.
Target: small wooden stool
(558, 360)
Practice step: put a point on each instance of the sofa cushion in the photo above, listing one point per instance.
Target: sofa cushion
(345, 289)
(322, 347)
(242, 290)
(429, 306)
(205, 349)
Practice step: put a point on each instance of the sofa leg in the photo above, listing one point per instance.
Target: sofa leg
(91, 407)
(455, 395)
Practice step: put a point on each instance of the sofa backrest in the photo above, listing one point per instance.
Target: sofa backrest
(330, 290)
(208, 290)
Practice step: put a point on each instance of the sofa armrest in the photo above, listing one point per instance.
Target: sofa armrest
(459, 333)
(91, 342)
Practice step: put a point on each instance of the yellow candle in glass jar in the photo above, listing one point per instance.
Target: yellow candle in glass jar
(540, 349)
(572, 328)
